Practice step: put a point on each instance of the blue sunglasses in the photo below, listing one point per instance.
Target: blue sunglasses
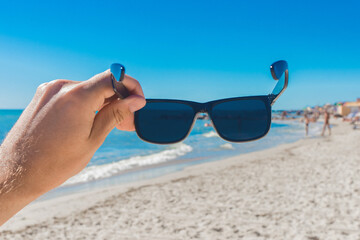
(240, 119)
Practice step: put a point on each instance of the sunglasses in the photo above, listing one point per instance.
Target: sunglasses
(240, 119)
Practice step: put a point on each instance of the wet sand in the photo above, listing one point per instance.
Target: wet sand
(309, 189)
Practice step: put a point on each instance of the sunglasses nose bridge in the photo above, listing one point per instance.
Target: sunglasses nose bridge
(201, 108)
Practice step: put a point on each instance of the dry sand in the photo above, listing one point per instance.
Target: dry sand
(306, 190)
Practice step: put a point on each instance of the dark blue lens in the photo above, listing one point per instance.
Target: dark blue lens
(164, 122)
(241, 120)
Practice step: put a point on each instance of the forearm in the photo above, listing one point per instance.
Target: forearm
(15, 191)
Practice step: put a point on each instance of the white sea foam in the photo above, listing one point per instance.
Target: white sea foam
(210, 134)
(107, 170)
(298, 128)
(315, 129)
(227, 146)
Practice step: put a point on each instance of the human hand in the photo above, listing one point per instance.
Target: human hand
(58, 133)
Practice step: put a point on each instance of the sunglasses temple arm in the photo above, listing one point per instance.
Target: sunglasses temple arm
(117, 76)
(278, 69)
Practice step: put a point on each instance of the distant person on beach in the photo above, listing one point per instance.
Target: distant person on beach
(283, 115)
(307, 122)
(57, 135)
(326, 123)
(208, 125)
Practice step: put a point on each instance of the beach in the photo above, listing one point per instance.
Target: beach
(309, 189)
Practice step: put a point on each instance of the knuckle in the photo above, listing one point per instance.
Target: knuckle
(132, 80)
(68, 97)
(136, 82)
(41, 87)
(58, 83)
(119, 115)
(52, 86)
(61, 86)
(53, 82)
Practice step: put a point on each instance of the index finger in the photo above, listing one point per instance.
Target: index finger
(100, 86)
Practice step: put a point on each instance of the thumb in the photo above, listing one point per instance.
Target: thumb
(119, 113)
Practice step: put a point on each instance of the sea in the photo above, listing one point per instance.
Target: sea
(125, 158)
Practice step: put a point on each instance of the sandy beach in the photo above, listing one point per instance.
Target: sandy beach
(309, 189)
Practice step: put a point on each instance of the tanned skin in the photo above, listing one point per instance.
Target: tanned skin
(57, 135)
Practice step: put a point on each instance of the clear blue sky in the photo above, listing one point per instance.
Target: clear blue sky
(195, 50)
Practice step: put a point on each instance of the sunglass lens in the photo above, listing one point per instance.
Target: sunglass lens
(164, 122)
(241, 120)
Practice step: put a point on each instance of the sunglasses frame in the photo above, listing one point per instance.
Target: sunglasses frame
(277, 69)
(207, 107)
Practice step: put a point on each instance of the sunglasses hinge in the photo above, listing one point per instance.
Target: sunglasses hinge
(272, 98)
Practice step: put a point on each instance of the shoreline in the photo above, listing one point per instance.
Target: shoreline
(109, 182)
(88, 198)
(291, 189)
(149, 172)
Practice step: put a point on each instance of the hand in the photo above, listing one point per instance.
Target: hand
(57, 135)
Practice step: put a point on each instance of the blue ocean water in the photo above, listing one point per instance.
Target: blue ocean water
(124, 151)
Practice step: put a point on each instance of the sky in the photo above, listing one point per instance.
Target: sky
(191, 50)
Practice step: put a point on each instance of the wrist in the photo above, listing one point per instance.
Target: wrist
(13, 178)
